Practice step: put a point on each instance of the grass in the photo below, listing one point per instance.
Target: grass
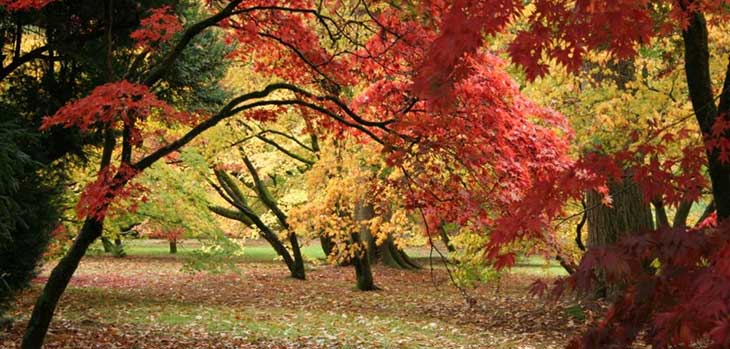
(151, 299)
(538, 266)
(260, 252)
(411, 312)
(256, 253)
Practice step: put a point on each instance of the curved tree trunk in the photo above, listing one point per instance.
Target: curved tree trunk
(702, 96)
(446, 239)
(107, 244)
(297, 268)
(230, 191)
(389, 254)
(326, 243)
(46, 304)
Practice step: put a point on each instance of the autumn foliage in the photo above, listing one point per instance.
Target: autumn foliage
(24, 5)
(157, 28)
(116, 105)
(468, 146)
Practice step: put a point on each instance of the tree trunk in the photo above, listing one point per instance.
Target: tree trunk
(446, 239)
(46, 304)
(363, 272)
(107, 244)
(662, 221)
(173, 246)
(699, 83)
(387, 252)
(297, 269)
(361, 261)
(680, 217)
(630, 214)
(326, 243)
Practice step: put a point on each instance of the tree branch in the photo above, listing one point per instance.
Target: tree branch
(187, 36)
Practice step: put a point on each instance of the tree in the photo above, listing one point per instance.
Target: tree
(228, 188)
(339, 211)
(119, 109)
(27, 211)
(565, 31)
(177, 208)
(257, 189)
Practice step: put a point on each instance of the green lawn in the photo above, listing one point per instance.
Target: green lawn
(151, 300)
(256, 251)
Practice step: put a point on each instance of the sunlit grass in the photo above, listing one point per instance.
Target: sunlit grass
(258, 252)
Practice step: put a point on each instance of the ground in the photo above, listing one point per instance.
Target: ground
(148, 300)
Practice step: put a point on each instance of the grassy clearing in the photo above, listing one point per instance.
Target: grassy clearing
(256, 251)
(147, 300)
(320, 325)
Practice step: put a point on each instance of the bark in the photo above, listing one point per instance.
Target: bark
(446, 240)
(173, 246)
(699, 83)
(662, 221)
(46, 304)
(680, 217)
(629, 214)
(387, 252)
(361, 262)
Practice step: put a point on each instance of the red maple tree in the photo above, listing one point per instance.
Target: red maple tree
(685, 299)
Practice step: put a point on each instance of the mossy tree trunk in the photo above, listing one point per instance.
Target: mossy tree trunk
(629, 213)
(446, 239)
(107, 244)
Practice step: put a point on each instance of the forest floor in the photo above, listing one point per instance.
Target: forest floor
(148, 300)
